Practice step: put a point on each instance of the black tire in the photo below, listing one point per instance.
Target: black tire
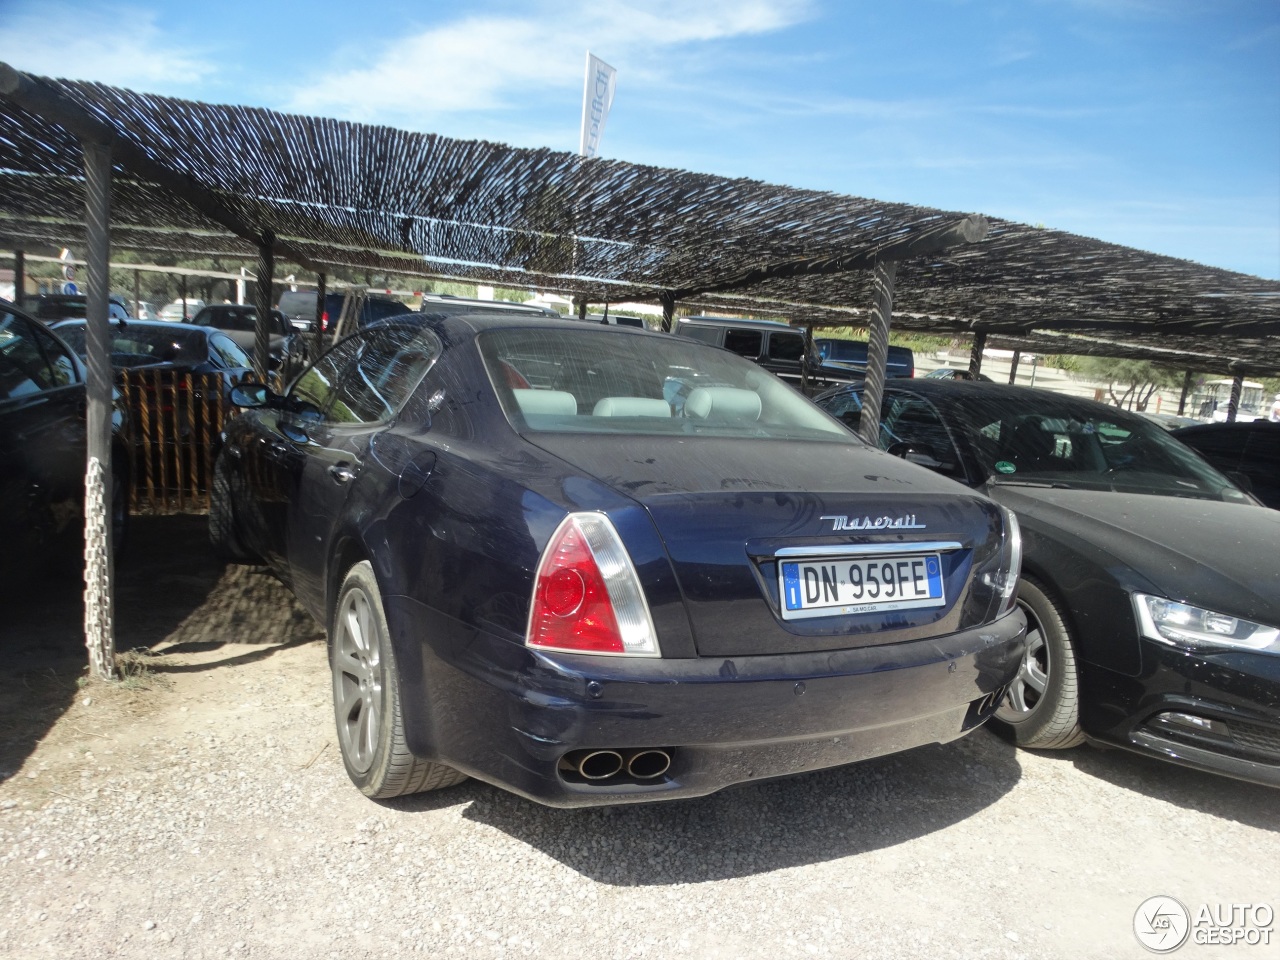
(1042, 708)
(222, 519)
(366, 697)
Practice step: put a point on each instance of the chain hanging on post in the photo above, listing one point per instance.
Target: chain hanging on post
(99, 628)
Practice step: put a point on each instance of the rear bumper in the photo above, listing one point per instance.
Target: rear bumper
(504, 714)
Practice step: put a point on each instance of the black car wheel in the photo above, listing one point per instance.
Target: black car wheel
(366, 697)
(1041, 709)
(222, 520)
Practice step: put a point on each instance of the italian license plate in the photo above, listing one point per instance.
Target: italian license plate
(825, 587)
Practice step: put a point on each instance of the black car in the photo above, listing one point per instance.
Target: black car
(42, 450)
(533, 572)
(1247, 452)
(837, 352)
(776, 346)
(288, 347)
(299, 308)
(52, 307)
(1150, 581)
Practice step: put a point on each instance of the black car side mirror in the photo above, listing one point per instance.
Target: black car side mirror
(251, 395)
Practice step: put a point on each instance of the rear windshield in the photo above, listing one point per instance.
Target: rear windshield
(605, 380)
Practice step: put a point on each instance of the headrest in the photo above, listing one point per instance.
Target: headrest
(631, 407)
(722, 403)
(546, 402)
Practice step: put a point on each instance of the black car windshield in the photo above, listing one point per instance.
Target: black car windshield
(1059, 442)
(134, 345)
(602, 380)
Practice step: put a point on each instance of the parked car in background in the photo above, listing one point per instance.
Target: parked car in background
(52, 307)
(1246, 452)
(289, 352)
(179, 311)
(43, 452)
(778, 347)
(852, 354)
(534, 573)
(299, 308)
(616, 319)
(955, 373)
(1149, 579)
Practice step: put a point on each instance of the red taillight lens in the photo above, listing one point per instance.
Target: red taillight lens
(587, 597)
(324, 321)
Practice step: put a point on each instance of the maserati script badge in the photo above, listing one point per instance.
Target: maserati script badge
(905, 522)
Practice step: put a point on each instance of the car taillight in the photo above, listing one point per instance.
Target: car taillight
(1005, 583)
(587, 596)
(324, 321)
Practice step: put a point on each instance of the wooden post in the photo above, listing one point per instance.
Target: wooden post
(321, 283)
(975, 354)
(877, 351)
(1013, 367)
(668, 311)
(804, 361)
(1186, 388)
(1233, 405)
(137, 293)
(582, 309)
(99, 612)
(262, 300)
(19, 275)
(182, 288)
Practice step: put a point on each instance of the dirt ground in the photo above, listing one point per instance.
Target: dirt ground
(199, 809)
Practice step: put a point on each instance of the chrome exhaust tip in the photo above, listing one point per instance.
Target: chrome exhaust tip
(648, 764)
(600, 764)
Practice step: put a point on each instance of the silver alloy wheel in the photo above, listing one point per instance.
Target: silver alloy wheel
(1033, 673)
(357, 680)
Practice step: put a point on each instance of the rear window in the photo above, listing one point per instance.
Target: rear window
(603, 380)
(135, 346)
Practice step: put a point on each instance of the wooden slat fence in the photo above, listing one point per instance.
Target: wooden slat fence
(175, 426)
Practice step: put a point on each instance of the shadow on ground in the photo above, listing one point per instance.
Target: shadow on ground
(1248, 803)
(170, 590)
(756, 828)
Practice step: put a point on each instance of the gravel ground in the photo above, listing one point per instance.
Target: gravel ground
(201, 810)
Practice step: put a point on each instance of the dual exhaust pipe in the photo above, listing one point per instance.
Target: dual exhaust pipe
(597, 765)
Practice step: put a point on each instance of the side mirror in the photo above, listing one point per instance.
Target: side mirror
(251, 395)
(1240, 480)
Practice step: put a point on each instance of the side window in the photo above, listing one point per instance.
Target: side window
(23, 369)
(786, 346)
(705, 334)
(745, 343)
(313, 391)
(60, 362)
(911, 428)
(847, 408)
(389, 366)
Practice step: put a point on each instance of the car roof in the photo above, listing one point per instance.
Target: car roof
(935, 389)
(736, 322)
(143, 324)
(1236, 427)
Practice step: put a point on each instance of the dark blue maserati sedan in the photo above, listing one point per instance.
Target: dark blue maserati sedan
(598, 565)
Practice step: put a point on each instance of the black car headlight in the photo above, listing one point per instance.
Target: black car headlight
(1184, 625)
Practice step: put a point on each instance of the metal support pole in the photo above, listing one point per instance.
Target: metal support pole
(99, 612)
(668, 311)
(262, 300)
(19, 275)
(321, 282)
(1186, 388)
(975, 354)
(877, 351)
(1233, 405)
(1013, 366)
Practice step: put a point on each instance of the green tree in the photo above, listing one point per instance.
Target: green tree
(1136, 380)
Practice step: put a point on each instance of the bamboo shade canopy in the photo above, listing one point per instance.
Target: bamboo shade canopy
(341, 194)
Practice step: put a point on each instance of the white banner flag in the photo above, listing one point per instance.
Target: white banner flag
(597, 98)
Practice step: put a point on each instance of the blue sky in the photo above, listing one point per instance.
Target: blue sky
(1151, 123)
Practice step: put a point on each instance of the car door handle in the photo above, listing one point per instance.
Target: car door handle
(341, 473)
